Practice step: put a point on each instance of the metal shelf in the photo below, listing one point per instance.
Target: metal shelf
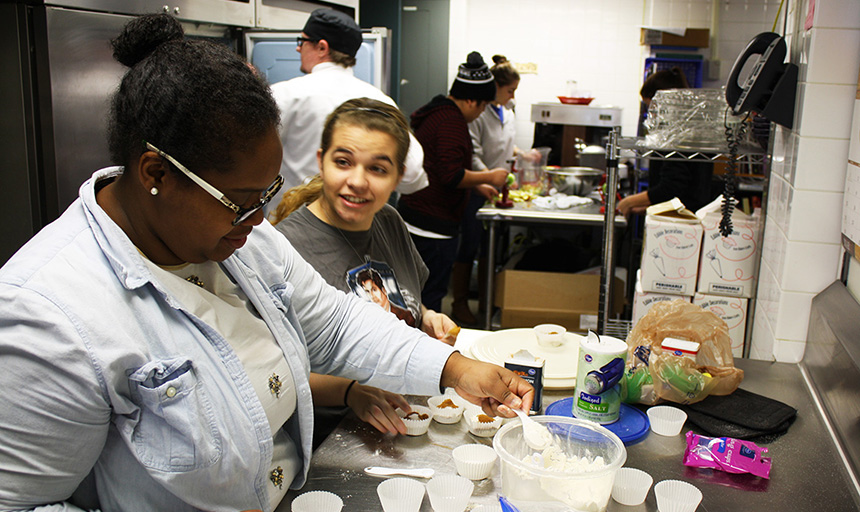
(750, 155)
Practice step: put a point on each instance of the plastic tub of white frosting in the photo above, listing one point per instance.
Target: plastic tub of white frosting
(575, 473)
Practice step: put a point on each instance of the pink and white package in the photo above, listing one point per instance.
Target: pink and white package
(726, 454)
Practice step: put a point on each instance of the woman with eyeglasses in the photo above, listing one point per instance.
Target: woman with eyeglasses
(156, 339)
(341, 224)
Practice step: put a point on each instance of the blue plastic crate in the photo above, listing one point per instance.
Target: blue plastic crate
(692, 69)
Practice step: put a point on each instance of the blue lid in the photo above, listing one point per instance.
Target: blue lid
(632, 425)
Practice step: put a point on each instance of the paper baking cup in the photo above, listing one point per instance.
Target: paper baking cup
(317, 501)
(483, 429)
(550, 335)
(488, 508)
(677, 496)
(416, 427)
(631, 486)
(446, 414)
(400, 495)
(666, 421)
(474, 461)
(449, 493)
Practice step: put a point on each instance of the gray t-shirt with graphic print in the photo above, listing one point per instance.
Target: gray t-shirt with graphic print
(333, 252)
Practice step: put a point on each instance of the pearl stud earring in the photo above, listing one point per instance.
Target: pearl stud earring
(153, 191)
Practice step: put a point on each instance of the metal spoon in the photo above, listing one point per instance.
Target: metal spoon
(536, 435)
(416, 472)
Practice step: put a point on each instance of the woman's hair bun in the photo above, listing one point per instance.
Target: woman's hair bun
(143, 35)
(499, 59)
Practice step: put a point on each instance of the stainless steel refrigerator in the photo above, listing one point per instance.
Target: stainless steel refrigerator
(59, 74)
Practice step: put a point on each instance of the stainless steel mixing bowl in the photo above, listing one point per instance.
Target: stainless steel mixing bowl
(573, 181)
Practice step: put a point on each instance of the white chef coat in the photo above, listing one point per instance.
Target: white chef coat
(305, 102)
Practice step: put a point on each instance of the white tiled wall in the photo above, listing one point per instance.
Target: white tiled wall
(801, 254)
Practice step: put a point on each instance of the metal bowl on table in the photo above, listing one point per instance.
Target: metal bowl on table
(573, 181)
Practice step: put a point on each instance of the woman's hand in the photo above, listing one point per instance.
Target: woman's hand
(439, 326)
(636, 203)
(497, 390)
(496, 177)
(377, 407)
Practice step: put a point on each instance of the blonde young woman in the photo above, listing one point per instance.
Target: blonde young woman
(341, 224)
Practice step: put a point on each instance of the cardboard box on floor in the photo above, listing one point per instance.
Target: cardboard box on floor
(529, 298)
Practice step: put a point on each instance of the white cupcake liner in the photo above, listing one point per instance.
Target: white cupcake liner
(488, 508)
(550, 335)
(480, 429)
(449, 493)
(666, 420)
(401, 495)
(317, 501)
(631, 486)
(475, 461)
(416, 427)
(446, 415)
(677, 496)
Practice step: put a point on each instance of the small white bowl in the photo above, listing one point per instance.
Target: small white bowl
(474, 461)
(631, 486)
(317, 501)
(414, 425)
(483, 428)
(401, 494)
(450, 412)
(449, 493)
(666, 420)
(677, 496)
(550, 335)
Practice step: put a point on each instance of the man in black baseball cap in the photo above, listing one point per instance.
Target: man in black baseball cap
(328, 29)
(328, 45)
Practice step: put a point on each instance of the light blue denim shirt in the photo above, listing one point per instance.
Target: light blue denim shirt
(106, 377)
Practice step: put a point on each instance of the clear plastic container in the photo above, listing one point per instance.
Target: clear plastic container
(689, 118)
(576, 473)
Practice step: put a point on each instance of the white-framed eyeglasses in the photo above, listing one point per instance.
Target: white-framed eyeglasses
(242, 213)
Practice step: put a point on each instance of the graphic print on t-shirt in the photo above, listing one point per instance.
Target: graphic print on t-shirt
(375, 281)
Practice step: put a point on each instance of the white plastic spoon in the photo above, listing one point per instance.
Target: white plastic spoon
(536, 435)
(416, 472)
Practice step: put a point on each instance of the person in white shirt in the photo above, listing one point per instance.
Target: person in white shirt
(328, 44)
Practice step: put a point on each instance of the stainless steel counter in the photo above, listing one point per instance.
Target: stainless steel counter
(528, 214)
(807, 472)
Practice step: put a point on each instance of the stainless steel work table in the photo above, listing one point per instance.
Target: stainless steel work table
(528, 214)
(807, 474)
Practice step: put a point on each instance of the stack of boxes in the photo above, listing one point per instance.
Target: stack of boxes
(685, 257)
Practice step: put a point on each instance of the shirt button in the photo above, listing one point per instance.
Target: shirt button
(171, 392)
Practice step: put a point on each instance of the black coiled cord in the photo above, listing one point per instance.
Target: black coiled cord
(734, 141)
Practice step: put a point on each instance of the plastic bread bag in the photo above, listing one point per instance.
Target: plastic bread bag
(655, 375)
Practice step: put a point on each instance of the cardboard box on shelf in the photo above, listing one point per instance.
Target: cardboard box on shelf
(529, 298)
(643, 301)
(693, 37)
(733, 311)
(670, 255)
(728, 263)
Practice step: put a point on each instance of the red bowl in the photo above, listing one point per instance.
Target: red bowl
(567, 100)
